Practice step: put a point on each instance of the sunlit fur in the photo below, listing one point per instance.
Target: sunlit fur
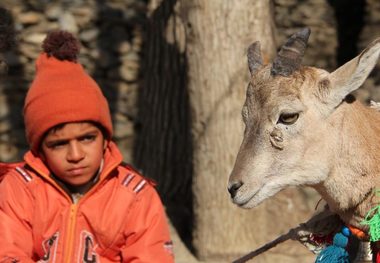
(332, 147)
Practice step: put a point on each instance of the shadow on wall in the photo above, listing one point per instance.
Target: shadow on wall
(111, 32)
(163, 145)
(349, 16)
(13, 89)
(117, 63)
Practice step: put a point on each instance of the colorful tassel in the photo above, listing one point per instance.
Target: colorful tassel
(372, 219)
(336, 253)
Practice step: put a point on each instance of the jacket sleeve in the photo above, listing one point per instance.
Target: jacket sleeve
(16, 243)
(148, 240)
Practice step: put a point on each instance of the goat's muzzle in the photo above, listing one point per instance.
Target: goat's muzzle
(234, 187)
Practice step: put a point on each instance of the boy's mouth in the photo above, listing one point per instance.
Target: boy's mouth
(76, 171)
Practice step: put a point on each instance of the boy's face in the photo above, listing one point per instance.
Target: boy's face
(74, 152)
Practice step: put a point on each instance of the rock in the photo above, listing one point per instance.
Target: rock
(123, 126)
(128, 74)
(130, 56)
(29, 18)
(5, 126)
(94, 54)
(30, 51)
(131, 64)
(35, 38)
(89, 35)
(123, 47)
(84, 16)
(67, 22)
(53, 12)
(84, 11)
(8, 152)
(4, 109)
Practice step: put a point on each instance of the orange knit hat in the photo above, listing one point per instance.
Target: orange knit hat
(62, 91)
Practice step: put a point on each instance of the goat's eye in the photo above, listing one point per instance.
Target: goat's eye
(288, 118)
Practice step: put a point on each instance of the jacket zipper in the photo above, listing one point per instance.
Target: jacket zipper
(70, 223)
(69, 244)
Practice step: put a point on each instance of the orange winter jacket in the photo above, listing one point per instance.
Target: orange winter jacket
(120, 219)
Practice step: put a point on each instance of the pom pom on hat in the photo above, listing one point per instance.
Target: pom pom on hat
(62, 91)
(62, 45)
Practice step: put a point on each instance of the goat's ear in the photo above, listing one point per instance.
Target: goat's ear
(351, 75)
(255, 60)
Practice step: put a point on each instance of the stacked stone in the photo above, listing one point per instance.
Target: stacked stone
(111, 33)
(371, 30)
(291, 15)
(111, 38)
(319, 15)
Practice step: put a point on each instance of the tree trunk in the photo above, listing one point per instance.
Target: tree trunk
(217, 36)
(190, 125)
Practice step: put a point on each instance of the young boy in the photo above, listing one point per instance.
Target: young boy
(72, 199)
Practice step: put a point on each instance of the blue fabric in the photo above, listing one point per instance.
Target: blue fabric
(336, 253)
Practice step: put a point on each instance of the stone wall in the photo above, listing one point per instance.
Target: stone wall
(340, 29)
(112, 33)
(111, 38)
(291, 15)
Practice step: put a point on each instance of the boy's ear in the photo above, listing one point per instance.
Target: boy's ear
(351, 75)
(105, 144)
(41, 154)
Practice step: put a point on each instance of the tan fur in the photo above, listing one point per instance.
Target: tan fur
(334, 146)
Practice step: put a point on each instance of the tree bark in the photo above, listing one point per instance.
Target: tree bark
(217, 36)
(190, 125)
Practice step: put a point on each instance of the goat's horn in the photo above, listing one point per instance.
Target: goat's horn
(255, 60)
(290, 55)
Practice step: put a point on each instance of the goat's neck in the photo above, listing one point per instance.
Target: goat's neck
(354, 174)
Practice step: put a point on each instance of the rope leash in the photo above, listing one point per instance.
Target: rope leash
(322, 220)
(265, 247)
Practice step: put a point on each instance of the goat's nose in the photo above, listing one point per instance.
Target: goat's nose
(234, 188)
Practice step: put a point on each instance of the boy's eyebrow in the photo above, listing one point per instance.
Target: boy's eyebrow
(89, 132)
(52, 141)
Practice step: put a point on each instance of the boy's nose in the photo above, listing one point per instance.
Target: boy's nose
(75, 152)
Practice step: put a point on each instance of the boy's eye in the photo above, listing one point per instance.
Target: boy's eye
(88, 138)
(57, 144)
